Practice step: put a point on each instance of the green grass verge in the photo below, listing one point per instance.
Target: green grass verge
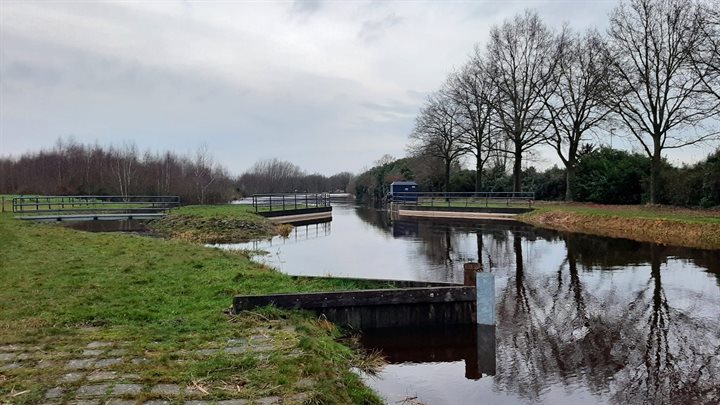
(62, 288)
(667, 213)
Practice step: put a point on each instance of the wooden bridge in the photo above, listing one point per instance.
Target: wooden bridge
(92, 207)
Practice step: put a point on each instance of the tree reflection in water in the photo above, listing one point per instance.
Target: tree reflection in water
(642, 352)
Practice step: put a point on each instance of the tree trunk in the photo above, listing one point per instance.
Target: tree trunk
(517, 168)
(569, 182)
(655, 163)
(447, 176)
(478, 175)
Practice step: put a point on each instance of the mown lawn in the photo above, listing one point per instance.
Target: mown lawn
(61, 288)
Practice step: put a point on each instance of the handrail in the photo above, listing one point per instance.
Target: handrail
(462, 199)
(93, 203)
(288, 201)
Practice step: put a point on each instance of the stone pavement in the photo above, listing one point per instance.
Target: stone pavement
(95, 376)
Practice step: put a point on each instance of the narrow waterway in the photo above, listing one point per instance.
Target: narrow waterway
(580, 319)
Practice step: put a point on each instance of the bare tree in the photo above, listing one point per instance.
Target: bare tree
(123, 168)
(658, 91)
(522, 55)
(707, 61)
(578, 100)
(437, 134)
(472, 91)
(203, 172)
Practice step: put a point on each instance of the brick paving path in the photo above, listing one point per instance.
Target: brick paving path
(89, 379)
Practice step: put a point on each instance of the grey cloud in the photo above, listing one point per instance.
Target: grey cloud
(374, 30)
(306, 6)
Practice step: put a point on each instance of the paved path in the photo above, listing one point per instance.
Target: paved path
(98, 374)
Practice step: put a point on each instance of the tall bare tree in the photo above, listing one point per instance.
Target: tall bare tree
(437, 133)
(658, 91)
(707, 62)
(124, 166)
(522, 55)
(577, 102)
(204, 173)
(473, 92)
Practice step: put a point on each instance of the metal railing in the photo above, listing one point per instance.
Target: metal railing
(93, 204)
(465, 199)
(289, 201)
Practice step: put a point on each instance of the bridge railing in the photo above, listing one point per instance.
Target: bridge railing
(95, 204)
(465, 199)
(289, 201)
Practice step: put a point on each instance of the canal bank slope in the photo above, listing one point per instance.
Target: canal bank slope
(657, 224)
(108, 317)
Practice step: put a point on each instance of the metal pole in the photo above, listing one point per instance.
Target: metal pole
(485, 300)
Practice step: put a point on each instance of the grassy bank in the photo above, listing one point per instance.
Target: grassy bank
(214, 224)
(165, 303)
(658, 224)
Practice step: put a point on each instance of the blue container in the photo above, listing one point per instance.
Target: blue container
(404, 191)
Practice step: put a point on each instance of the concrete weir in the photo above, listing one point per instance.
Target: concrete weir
(429, 306)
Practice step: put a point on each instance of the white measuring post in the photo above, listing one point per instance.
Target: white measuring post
(485, 300)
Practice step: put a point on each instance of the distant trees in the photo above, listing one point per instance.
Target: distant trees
(656, 73)
(277, 176)
(73, 168)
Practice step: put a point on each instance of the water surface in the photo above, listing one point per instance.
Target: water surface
(580, 319)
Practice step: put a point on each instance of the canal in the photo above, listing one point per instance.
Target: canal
(580, 319)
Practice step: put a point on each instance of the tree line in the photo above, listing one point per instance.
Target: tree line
(654, 74)
(72, 168)
(602, 175)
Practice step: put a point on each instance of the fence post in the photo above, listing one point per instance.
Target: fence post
(271, 203)
(295, 196)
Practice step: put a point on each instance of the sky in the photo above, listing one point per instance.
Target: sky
(328, 85)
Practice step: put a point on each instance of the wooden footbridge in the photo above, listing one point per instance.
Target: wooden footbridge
(92, 207)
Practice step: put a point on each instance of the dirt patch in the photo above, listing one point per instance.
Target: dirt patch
(663, 231)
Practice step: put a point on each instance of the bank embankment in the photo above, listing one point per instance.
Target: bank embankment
(214, 224)
(656, 224)
(110, 317)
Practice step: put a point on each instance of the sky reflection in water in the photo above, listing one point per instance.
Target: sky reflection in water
(581, 319)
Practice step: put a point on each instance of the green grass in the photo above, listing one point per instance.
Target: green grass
(62, 288)
(690, 216)
(244, 212)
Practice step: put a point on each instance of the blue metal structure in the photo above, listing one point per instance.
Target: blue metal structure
(403, 191)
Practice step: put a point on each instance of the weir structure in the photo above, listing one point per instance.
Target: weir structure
(92, 207)
(425, 305)
(293, 207)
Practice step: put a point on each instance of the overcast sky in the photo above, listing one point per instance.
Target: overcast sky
(328, 85)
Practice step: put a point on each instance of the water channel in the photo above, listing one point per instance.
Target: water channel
(580, 319)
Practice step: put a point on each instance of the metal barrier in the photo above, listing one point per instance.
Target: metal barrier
(93, 206)
(289, 201)
(464, 199)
